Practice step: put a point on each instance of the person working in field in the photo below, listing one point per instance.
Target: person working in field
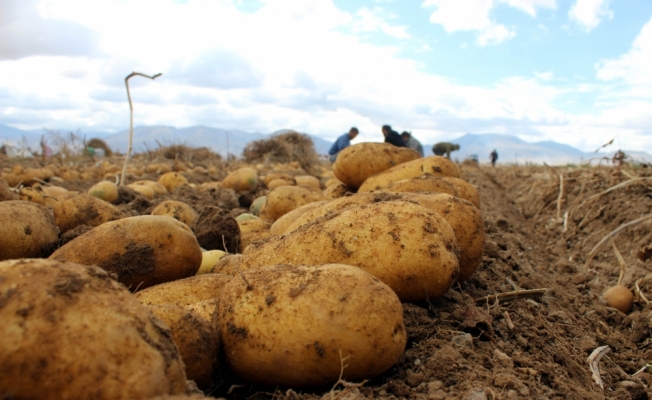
(392, 137)
(446, 148)
(411, 142)
(341, 143)
(493, 156)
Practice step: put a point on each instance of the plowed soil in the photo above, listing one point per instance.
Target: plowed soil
(534, 347)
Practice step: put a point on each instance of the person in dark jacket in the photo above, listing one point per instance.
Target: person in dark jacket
(392, 137)
(493, 156)
(342, 143)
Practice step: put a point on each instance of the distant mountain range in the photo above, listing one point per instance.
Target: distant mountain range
(510, 149)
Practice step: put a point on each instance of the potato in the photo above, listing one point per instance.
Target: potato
(27, 230)
(142, 251)
(172, 180)
(279, 182)
(158, 168)
(208, 259)
(295, 325)
(425, 183)
(409, 248)
(356, 163)
(105, 190)
(142, 189)
(186, 291)
(77, 209)
(284, 199)
(54, 191)
(177, 210)
(155, 186)
(242, 180)
(308, 181)
(244, 217)
(336, 191)
(252, 230)
(71, 332)
(35, 194)
(620, 298)
(197, 341)
(465, 190)
(206, 309)
(277, 175)
(280, 225)
(5, 191)
(434, 165)
(257, 204)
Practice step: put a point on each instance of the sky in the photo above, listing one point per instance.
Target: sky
(571, 71)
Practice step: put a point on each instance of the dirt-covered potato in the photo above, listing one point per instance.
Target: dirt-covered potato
(280, 225)
(177, 210)
(295, 324)
(336, 191)
(142, 189)
(172, 180)
(155, 186)
(206, 309)
(77, 209)
(252, 230)
(465, 190)
(434, 165)
(105, 190)
(356, 163)
(197, 341)
(425, 183)
(5, 191)
(36, 194)
(410, 248)
(242, 180)
(27, 230)
(184, 292)
(71, 332)
(142, 251)
(284, 199)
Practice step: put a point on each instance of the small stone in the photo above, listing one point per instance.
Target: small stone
(503, 359)
(434, 386)
(475, 394)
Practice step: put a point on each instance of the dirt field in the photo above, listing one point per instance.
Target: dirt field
(542, 224)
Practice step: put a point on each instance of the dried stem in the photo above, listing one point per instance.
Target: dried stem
(612, 234)
(131, 121)
(621, 261)
(536, 294)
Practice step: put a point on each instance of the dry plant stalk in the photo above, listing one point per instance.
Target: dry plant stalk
(536, 294)
(131, 122)
(594, 360)
(621, 261)
(612, 234)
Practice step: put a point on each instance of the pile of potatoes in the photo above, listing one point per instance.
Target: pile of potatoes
(323, 263)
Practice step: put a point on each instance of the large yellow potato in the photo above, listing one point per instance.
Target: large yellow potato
(177, 210)
(27, 230)
(142, 251)
(465, 219)
(425, 183)
(71, 332)
(197, 341)
(294, 325)
(465, 190)
(241, 180)
(434, 165)
(77, 209)
(410, 248)
(184, 292)
(284, 199)
(356, 163)
(280, 225)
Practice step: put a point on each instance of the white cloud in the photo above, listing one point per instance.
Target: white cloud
(474, 15)
(373, 21)
(590, 13)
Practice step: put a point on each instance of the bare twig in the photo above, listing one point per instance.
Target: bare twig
(612, 234)
(621, 261)
(131, 121)
(561, 195)
(594, 360)
(536, 294)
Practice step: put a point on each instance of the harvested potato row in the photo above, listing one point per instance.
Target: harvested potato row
(197, 341)
(284, 199)
(307, 319)
(186, 291)
(406, 246)
(142, 251)
(77, 209)
(27, 230)
(434, 165)
(356, 163)
(88, 327)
